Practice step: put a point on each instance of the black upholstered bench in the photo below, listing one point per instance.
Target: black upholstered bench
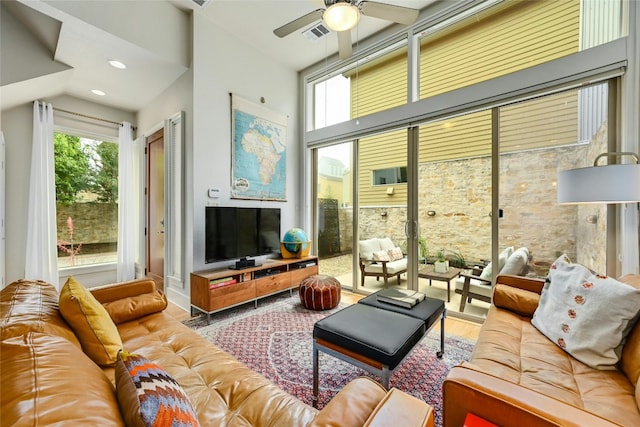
(375, 336)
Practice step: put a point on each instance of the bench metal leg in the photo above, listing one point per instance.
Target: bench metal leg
(314, 397)
(441, 352)
(385, 376)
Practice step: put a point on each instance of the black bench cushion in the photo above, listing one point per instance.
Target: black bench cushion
(381, 335)
(429, 310)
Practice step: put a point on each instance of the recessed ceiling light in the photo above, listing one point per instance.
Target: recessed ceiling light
(117, 64)
(98, 92)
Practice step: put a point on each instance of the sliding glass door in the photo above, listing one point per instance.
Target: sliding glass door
(382, 211)
(454, 208)
(334, 211)
(539, 138)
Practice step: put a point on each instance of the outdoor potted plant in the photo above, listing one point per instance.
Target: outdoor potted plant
(423, 251)
(442, 264)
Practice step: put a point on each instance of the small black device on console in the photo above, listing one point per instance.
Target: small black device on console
(245, 263)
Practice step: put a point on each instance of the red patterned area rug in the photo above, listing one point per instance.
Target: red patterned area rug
(276, 340)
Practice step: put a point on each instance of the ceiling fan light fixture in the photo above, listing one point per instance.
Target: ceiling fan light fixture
(341, 16)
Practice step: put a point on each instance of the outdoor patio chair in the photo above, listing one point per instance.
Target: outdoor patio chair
(478, 284)
(380, 257)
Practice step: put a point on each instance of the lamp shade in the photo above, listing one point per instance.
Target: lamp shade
(341, 16)
(600, 184)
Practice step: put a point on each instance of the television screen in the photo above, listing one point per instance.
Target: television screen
(233, 232)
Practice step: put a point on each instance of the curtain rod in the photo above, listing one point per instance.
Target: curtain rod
(90, 117)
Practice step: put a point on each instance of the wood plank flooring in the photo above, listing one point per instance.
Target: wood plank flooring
(453, 326)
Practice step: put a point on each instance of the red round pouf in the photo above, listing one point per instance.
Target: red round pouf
(319, 292)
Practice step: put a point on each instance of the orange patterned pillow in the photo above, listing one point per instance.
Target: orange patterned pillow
(148, 396)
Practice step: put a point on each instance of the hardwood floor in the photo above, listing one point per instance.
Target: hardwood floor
(452, 325)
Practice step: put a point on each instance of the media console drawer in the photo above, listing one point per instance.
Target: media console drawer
(274, 283)
(209, 293)
(297, 275)
(232, 294)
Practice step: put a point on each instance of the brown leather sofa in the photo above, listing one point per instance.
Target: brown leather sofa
(518, 377)
(46, 378)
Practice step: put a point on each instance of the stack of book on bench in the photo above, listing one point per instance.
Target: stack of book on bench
(401, 297)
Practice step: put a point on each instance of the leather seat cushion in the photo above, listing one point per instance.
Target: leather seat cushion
(512, 349)
(429, 310)
(381, 335)
(221, 389)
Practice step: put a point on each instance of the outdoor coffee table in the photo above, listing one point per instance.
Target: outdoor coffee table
(428, 272)
(375, 336)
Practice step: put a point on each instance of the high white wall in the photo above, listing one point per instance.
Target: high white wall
(177, 98)
(221, 65)
(224, 65)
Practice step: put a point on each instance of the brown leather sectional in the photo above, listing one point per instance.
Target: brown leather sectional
(46, 379)
(518, 377)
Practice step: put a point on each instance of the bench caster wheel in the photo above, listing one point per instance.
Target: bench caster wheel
(440, 354)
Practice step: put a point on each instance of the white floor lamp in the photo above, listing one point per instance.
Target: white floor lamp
(608, 184)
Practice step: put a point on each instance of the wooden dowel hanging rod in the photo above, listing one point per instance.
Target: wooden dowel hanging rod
(89, 117)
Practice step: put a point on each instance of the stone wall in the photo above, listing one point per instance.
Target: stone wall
(93, 223)
(459, 192)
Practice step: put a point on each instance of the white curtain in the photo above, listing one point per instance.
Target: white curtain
(126, 220)
(41, 261)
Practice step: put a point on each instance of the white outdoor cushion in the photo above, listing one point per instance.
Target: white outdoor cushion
(516, 262)
(368, 247)
(487, 272)
(588, 315)
(393, 267)
(386, 244)
(475, 286)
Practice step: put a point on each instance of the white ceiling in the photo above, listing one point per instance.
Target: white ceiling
(80, 48)
(253, 22)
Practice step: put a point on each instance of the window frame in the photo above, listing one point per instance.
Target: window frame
(77, 270)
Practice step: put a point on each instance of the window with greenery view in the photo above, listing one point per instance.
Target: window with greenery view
(86, 200)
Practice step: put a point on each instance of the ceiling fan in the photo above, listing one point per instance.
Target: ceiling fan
(342, 15)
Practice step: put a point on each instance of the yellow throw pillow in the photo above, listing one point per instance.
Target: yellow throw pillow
(91, 323)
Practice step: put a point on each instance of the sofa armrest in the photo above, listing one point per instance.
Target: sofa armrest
(364, 402)
(131, 300)
(467, 389)
(401, 409)
(116, 291)
(526, 283)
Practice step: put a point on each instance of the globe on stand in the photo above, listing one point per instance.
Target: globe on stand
(295, 244)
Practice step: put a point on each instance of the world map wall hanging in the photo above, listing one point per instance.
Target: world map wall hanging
(258, 151)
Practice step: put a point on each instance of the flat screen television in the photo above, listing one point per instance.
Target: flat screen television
(238, 232)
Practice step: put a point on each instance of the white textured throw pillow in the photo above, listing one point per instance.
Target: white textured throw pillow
(516, 262)
(588, 315)
(487, 272)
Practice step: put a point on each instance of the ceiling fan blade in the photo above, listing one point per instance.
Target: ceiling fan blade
(344, 44)
(400, 14)
(299, 23)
